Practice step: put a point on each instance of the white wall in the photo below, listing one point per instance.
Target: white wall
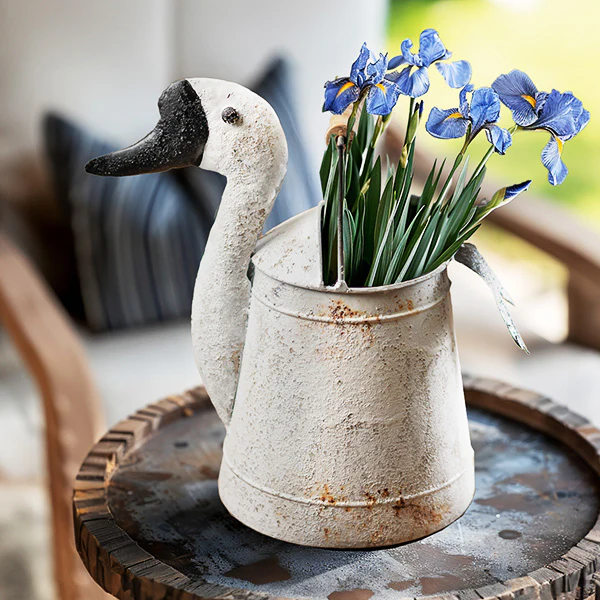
(232, 39)
(106, 62)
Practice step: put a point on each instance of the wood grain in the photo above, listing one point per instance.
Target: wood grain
(53, 354)
(125, 569)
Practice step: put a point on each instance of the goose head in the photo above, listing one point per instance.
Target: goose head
(224, 127)
(217, 125)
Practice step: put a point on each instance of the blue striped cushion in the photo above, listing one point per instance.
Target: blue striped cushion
(139, 240)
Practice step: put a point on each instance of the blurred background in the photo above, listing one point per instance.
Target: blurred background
(79, 257)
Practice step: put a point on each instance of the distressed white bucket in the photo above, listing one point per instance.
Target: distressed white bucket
(349, 427)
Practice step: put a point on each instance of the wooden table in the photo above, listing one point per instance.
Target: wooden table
(149, 523)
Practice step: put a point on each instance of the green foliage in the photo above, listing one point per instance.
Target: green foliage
(389, 234)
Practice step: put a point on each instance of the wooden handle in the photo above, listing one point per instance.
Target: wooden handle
(338, 124)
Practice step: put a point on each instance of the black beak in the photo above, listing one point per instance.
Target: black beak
(177, 141)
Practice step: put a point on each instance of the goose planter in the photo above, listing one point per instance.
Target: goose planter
(345, 415)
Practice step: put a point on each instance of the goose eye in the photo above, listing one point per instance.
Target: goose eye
(230, 115)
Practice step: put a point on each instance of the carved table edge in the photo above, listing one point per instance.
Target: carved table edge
(122, 568)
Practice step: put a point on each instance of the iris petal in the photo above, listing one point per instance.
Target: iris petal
(583, 120)
(514, 190)
(456, 74)
(551, 159)
(446, 124)
(376, 70)
(431, 48)
(357, 74)
(382, 98)
(499, 137)
(339, 94)
(409, 57)
(462, 98)
(396, 62)
(519, 93)
(563, 115)
(485, 108)
(413, 84)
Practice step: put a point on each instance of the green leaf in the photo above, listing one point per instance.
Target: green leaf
(460, 184)
(383, 227)
(384, 210)
(349, 231)
(421, 255)
(404, 201)
(392, 271)
(330, 224)
(326, 164)
(372, 198)
(413, 123)
(412, 246)
(356, 150)
(353, 190)
(451, 251)
(359, 238)
(364, 131)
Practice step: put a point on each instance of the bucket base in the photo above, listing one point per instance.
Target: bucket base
(345, 525)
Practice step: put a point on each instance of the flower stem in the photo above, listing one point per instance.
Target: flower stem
(487, 155)
(352, 117)
(405, 149)
(366, 168)
(411, 108)
(341, 147)
(457, 161)
(481, 164)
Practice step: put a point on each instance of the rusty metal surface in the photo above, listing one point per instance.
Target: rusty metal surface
(349, 420)
(534, 500)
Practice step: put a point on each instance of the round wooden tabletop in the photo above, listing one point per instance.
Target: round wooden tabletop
(149, 523)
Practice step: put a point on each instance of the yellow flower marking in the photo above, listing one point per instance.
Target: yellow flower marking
(560, 144)
(454, 115)
(529, 99)
(345, 87)
(381, 87)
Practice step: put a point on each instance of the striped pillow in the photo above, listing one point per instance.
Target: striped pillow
(139, 240)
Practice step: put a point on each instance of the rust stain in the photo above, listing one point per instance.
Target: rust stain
(264, 571)
(378, 536)
(371, 499)
(410, 305)
(339, 312)
(444, 583)
(235, 358)
(327, 496)
(357, 594)
(423, 516)
(400, 586)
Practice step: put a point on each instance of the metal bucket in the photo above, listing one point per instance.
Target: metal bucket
(349, 428)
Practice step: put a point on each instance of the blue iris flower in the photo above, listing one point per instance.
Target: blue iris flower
(560, 114)
(481, 113)
(368, 75)
(431, 50)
